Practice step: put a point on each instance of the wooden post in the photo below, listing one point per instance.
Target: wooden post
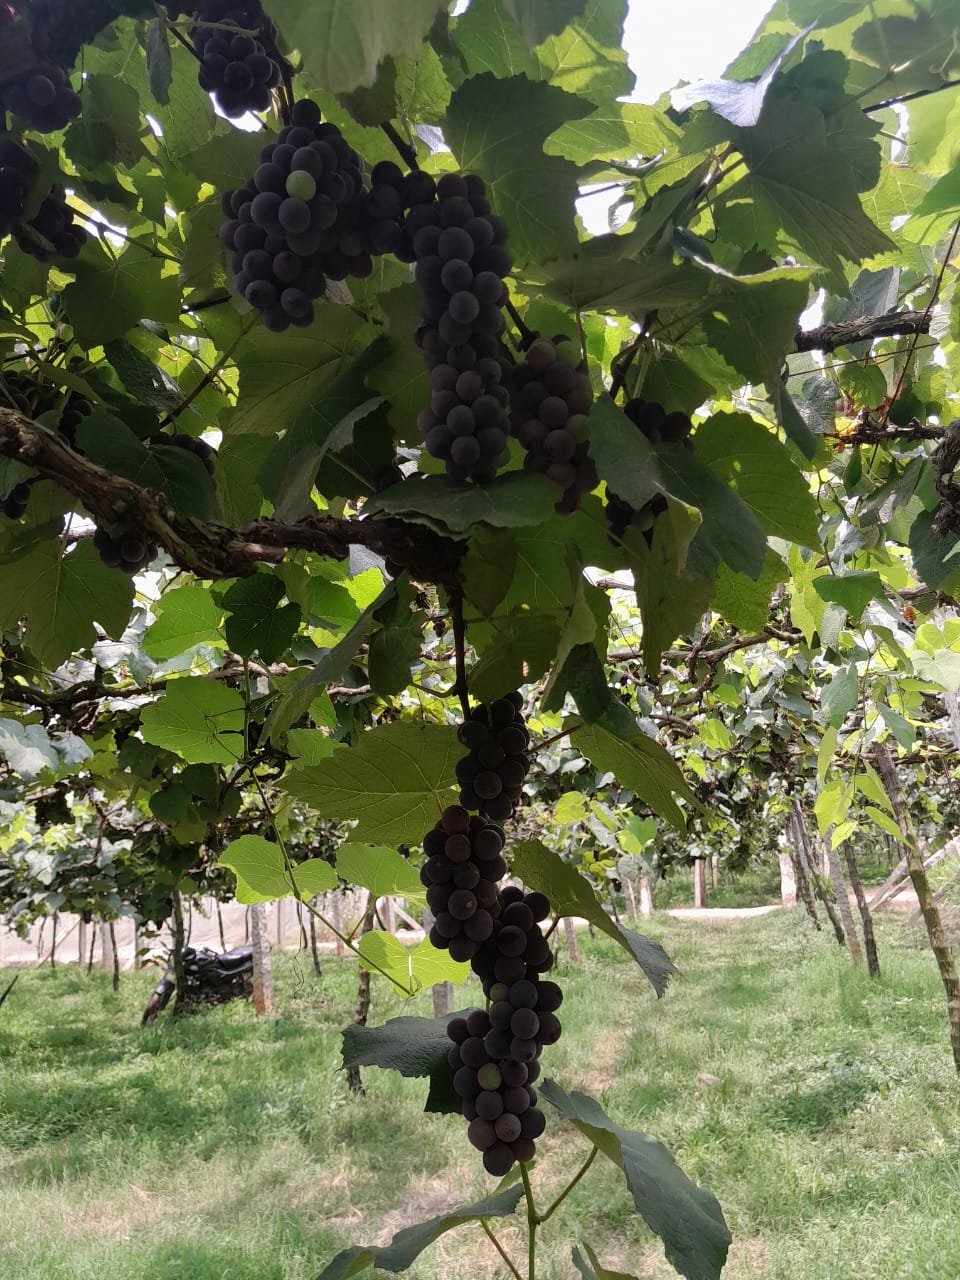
(788, 879)
(442, 999)
(943, 952)
(262, 972)
(866, 919)
(389, 919)
(137, 963)
(699, 883)
(223, 939)
(843, 899)
(337, 912)
(570, 933)
(115, 953)
(646, 898)
(809, 858)
(279, 930)
(631, 898)
(363, 996)
(314, 945)
(106, 947)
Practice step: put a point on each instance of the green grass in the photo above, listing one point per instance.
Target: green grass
(222, 1147)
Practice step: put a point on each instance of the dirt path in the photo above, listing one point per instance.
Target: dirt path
(721, 913)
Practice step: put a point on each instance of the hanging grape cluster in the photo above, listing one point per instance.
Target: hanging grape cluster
(491, 775)
(658, 427)
(551, 397)
(51, 231)
(459, 247)
(240, 69)
(495, 1053)
(203, 451)
(43, 99)
(298, 222)
(14, 505)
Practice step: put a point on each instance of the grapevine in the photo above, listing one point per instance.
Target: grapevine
(552, 398)
(461, 260)
(658, 427)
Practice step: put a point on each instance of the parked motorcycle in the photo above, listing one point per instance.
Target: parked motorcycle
(209, 978)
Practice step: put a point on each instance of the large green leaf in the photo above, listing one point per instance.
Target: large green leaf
(616, 745)
(263, 874)
(669, 601)
(343, 44)
(497, 129)
(197, 719)
(751, 459)
(571, 894)
(538, 19)
(282, 375)
(407, 1245)
(256, 621)
(513, 500)
(110, 294)
(383, 871)
(687, 1219)
(187, 617)
(853, 591)
(409, 969)
(394, 782)
(416, 1047)
(636, 471)
(61, 597)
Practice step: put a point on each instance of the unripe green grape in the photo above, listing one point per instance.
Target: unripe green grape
(301, 185)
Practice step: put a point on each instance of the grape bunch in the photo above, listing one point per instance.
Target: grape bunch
(123, 549)
(659, 427)
(14, 505)
(495, 1053)
(459, 247)
(51, 232)
(34, 398)
(205, 452)
(491, 776)
(17, 171)
(297, 223)
(43, 98)
(236, 68)
(464, 863)
(551, 397)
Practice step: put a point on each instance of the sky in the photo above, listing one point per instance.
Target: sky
(686, 39)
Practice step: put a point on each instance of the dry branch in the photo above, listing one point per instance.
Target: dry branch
(208, 549)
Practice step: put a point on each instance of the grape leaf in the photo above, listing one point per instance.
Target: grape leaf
(416, 1047)
(110, 294)
(256, 622)
(262, 873)
(750, 458)
(571, 894)
(412, 970)
(616, 745)
(199, 720)
(187, 617)
(61, 597)
(282, 375)
(538, 19)
(449, 506)
(687, 1219)
(408, 1244)
(343, 44)
(393, 782)
(745, 601)
(27, 749)
(383, 871)
(497, 129)
(853, 590)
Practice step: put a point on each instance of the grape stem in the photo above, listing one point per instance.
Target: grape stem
(459, 648)
(406, 151)
(499, 1248)
(532, 1222)
(570, 1185)
(527, 335)
(548, 742)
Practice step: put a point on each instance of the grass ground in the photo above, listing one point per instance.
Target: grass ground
(221, 1147)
